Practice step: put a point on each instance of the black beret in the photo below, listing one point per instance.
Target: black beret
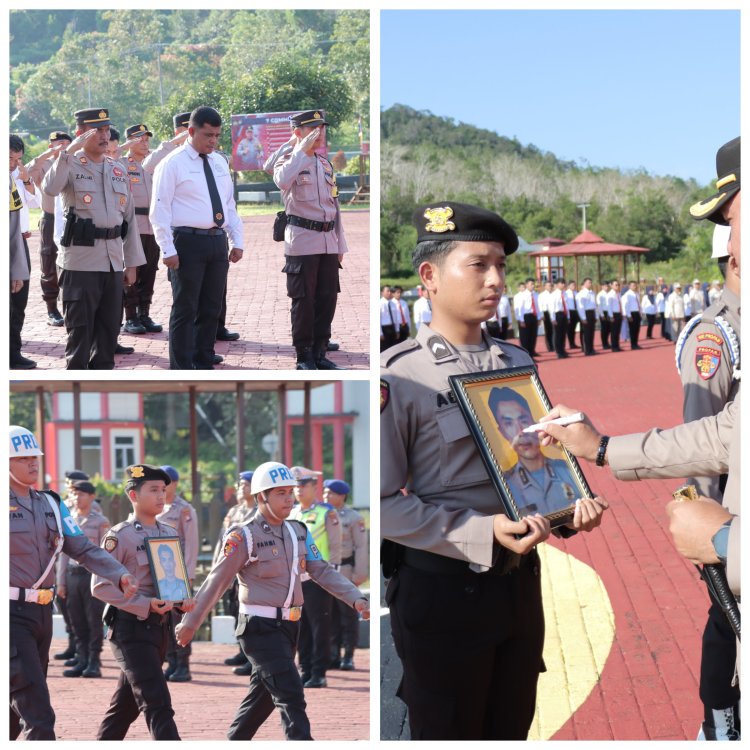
(139, 129)
(76, 474)
(182, 120)
(97, 117)
(461, 222)
(727, 183)
(84, 486)
(313, 117)
(139, 473)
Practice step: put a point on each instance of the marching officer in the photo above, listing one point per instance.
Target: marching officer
(100, 247)
(181, 515)
(40, 529)
(84, 610)
(315, 629)
(314, 242)
(268, 554)
(355, 567)
(139, 628)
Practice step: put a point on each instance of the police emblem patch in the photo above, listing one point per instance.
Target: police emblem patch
(275, 551)
(438, 219)
(87, 199)
(110, 543)
(136, 472)
(117, 172)
(713, 337)
(230, 546)
(123, 200)
(135, 180)
(83, 160)
(219, 216)
(707, 361)
(385, 394)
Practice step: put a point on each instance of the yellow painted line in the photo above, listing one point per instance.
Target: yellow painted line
(580, 630)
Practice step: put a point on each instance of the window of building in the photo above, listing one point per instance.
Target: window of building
(124, 454)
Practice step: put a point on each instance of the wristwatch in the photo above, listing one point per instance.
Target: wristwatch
(720, 541)
(601, 453)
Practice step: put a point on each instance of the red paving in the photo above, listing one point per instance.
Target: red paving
(257, 308)
(205, 707)
(648, 689)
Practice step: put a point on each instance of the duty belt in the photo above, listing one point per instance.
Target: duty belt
(37, 596)
(316, 226)
(276, 613)
(429, 562)
(108, 234)
(141, 211)
(154, 618)
(193, 230)
(348, 560)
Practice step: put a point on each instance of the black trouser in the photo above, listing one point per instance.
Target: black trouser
(651, 318)
(616, 329)
(140, 647)
(561, 327)
(549, 331)
(18, 302)
(606, 327)
(528, 333)
(222, 324)
(270, 645)
(62, 606)
(48, 259)
(30, 638)
(312, 283)
(634, 326)
(389, 337)
(588, 331)
(197, 289)
(315, 630)
(85, 612)
(403, 332)
(471, 649)
(504, 325)
(572, 323)
(663, 321)
(344, 630)
(718, 662)
(92, 308)
(141, 293)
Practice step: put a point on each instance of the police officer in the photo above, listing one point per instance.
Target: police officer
(139, 628)
(464, 590)
(355, 567)
(181, 515)
(99, 241)
(315, 629)
(84, 610)
(267, 554)
(314, 242)
(40, 529)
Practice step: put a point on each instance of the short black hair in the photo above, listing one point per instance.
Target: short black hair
(114, 134)
(603, 282)
(588, 278)
(201, 116)
(17, 144)
(431, 251)
(398, 289)
(561, 280)
(505, 395)
(384, 287)
(530, 279)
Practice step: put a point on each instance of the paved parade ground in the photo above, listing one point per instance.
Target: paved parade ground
(205, 707)
(624, 612)
(257, 308)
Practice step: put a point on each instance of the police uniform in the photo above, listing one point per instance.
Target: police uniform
(322, 521)
(313, 240)
(139, 637)
(84, 610)
(138, 296)
(40, 528)
(267, 559)
(460, 604)
(95, 253)
(20, 270)
(550, 488)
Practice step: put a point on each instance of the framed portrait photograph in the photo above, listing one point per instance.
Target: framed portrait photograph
(168, 568)
(529, 478)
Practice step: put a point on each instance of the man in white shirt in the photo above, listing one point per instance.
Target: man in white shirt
(631, 308)
(558, 308)
(526, 305)
(570, 301)
(586, 307)
(661, 303)
(401, 314)
(422, 309)
(605, 319)
(196, 225)
(615, 311)
(388, 335)
(544, 297)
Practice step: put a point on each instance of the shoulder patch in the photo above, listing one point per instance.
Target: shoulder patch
(385, 394)
(232, 543)
(333, 517)
(713, 337)
(110, 543)
(707, 361)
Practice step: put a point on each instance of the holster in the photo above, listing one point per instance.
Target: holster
(123, 229)
(84, 232)
(70, 221)
(391, 555)
(279, 225)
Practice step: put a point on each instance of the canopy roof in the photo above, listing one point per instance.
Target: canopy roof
(588, 243)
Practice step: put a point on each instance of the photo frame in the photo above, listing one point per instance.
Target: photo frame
(168, 569)
(528, 478)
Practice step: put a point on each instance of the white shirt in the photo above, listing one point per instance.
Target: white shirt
(59, 219)
(647, 306)
(544, 300)
(29, 200)
(556, 303)
(404, 312)
(614, 302)
(660, 302)
(522, 304)
(688, 306)
(585, 300)
(630, 303)
(422, 311)
(675, 306)
(697, 301)
(387, 317)
(503, 309)
(602, 302)
(180, 197)
(570, 299)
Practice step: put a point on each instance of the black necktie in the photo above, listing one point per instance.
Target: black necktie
(213, 192)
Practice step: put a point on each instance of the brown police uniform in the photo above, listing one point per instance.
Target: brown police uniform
(91, 279)
(268, 561)
(138, 636)
(34, 536)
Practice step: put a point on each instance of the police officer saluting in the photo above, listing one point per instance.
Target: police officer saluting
(40, 529)
(99, 241)
(268, 554)
(314, 242)
(139, 628)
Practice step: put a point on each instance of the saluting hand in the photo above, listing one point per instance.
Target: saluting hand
(580, 438)
(532, 529)
(363, 607)
(184, 634)
(307, 144)
(180, 138)
(128, 585)
(78, 141)
(160, 607)
(130, 142)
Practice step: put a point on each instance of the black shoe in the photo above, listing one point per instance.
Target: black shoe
(133, 325)
(306, 360)
(236, 660)
(77, 670)
(171, 667)
(606, 346)
(71, 662)
(69, 653)
(225, 335)
(332, 346)
(316, 682)
(181, 674)
(19, 362)
(54, 318)
(218, 359)
(94, 669)
(244, 669)
(347, 665)
(120, 349)
(323, 363)
(149, 324)
(636, 346)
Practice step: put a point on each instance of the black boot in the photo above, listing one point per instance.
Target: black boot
(53, 316)
(171, 665)
(305, 359)
(94, 668)
(244, 669)
(77, 670)
(146, 321)
(322, 362)
(235, 661)
(133, 325)
(182, 673)
(69, 652)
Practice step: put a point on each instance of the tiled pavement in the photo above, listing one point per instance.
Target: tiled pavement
(624, 611)
(257, 307)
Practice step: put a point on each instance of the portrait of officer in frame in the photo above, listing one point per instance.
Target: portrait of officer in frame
(168, 569)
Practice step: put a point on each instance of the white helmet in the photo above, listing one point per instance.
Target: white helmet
(269, 475)
(23, 443)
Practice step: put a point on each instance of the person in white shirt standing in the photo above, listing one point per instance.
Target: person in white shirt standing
(544, 297)
(422, 308)
(605, 318)
(558, 308)
(648, 308)
(197, 227)
(401, 314)
(661, 304)
(586, 307)
(570, 301)
(388, 335)
(631, 309)
(615, 311)
(526, 305)
(697, 300)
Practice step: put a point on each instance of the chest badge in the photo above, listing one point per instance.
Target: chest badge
(123, 200)
(117, 172)
(83, 160)
(87, 198)
(275, 551)
(219, 216)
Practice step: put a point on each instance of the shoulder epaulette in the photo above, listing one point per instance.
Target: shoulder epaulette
(682, 340)
(733, 342)
(395, 351)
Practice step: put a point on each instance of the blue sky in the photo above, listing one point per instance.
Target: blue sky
(657, 90)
